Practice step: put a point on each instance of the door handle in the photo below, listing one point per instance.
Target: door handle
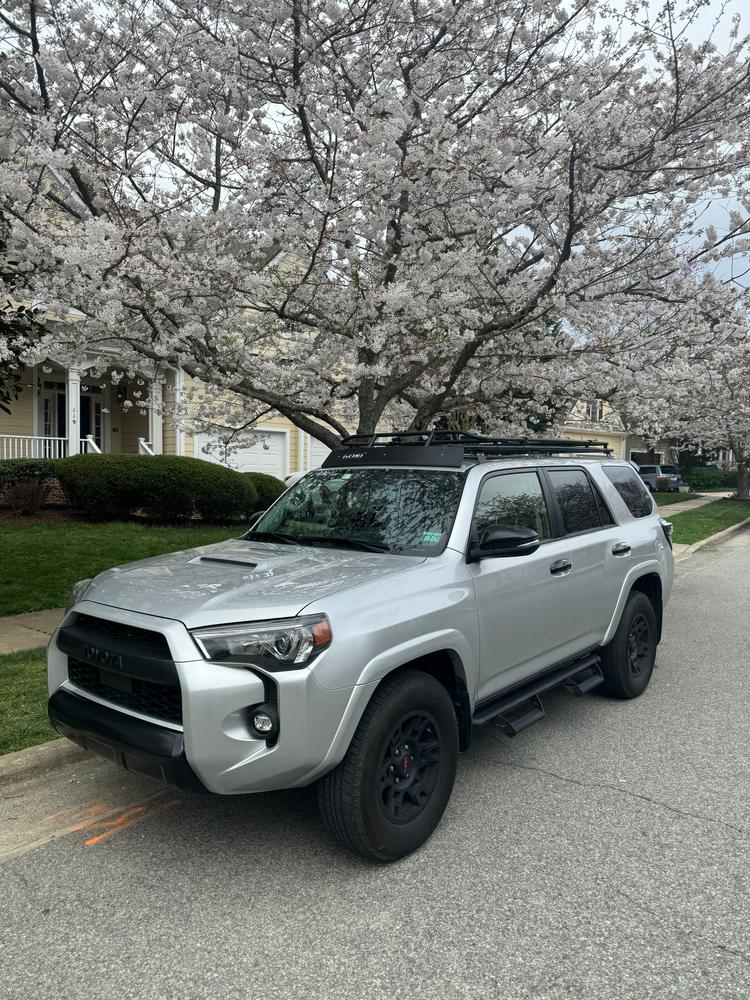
(621, 549)
(561, 567)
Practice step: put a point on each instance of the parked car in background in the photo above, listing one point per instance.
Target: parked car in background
(666, 478)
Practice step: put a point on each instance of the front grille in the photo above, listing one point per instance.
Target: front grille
(163, 701)
(151, 643)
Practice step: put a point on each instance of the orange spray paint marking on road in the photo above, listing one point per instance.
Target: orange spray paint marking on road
(93, 810)
(129, 818)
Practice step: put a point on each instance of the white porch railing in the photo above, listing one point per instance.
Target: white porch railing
(28, 446)
(144, 447)
(89, 446)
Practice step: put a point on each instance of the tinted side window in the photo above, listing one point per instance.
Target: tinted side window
(516, 499)
(631, 489)
(576, 499)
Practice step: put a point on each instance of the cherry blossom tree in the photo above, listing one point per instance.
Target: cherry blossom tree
(696, 392)
(371, 212)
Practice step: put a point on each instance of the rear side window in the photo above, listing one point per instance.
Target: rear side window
(630, 487)
(515, 499)
(580, 509)
(647, 470)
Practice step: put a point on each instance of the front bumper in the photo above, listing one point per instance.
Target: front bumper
(139, 746)
(213, 741)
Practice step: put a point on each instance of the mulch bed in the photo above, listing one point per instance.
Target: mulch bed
(48, 515)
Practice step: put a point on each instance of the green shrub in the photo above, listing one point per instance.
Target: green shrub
(166, 488)
(711, 479)
(22, 470)
(100, 486)
(268, 488)
(25, 483)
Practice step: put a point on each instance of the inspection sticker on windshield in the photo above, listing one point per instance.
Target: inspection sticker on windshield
(431, 537)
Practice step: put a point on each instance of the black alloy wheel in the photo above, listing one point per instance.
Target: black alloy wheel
(628, 660)
(391, 789)
(410, 767)
(638, 645)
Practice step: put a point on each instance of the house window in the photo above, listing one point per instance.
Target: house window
(594, 410)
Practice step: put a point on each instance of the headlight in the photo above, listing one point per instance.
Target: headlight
(77, 593)
(279, 645)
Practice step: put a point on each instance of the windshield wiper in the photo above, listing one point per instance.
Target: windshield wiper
(345, 543)
(270, 536)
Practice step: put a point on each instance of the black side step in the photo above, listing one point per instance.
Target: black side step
(513, 720)
(522, 707)
(586, 679)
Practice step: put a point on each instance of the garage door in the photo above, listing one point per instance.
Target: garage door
(318, 453)
(266, 456)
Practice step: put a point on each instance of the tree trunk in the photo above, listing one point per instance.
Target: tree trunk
(743, 479)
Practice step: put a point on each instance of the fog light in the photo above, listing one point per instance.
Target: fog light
(264, 721)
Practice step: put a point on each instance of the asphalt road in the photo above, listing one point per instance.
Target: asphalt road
(601, 854)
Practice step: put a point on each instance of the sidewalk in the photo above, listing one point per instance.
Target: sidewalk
(28, 631)
(670, 509)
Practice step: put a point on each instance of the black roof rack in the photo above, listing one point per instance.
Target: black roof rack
(449, 448)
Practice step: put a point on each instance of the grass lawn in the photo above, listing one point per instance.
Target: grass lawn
(41, 562)
(665, 499)
(23, 700)
(694, 525)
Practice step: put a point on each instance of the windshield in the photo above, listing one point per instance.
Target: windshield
(669, 470)
(401, 510)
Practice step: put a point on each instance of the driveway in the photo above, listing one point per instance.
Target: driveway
(601, 855)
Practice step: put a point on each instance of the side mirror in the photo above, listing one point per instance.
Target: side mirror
(254, 518)
(498, 540)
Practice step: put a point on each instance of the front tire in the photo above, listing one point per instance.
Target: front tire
(390, 791)
(628, 660)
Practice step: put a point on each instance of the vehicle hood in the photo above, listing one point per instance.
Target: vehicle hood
(238, 580)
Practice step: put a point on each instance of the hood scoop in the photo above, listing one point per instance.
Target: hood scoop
(230, 560)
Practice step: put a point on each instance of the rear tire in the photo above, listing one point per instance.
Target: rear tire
(390, 791)
(628, 660)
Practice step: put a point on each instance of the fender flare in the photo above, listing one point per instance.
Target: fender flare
(650, 568)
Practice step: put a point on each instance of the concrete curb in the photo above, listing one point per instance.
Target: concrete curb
(23, 764)
(696, 546)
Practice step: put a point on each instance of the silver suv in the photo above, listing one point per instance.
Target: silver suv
(414, 587)
(665, 478)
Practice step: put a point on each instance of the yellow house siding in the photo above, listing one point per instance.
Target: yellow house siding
(133, 425)
(169, 429)
(20, 420)
(615, 440)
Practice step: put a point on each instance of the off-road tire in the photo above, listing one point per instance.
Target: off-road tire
(628, 660)
(359, 800)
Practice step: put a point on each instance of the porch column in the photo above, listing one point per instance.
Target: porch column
(155, 429)
(73, 410)
(179, 387)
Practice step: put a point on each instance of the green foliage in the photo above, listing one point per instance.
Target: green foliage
(695, 525)
(268, 488)
(711, 479)
(166, 488)
(99, 486)
(23, 700)
(41, 562)
(21, 470)
(25, 483)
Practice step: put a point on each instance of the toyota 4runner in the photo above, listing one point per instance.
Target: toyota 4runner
(415, 586)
